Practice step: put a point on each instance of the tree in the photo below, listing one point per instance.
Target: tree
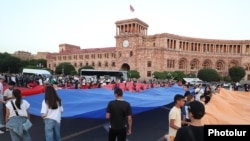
(85, 67)
(134, 74)
(36, 63)
(178, 75)
(236, 73)
(191, 75)
(159, 75)
(227, 79)
(208, 75)
(9, 63)
(64, 68)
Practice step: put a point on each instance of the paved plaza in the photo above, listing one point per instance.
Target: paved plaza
(147, 126)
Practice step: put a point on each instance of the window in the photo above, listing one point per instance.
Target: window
(87, 63)
(75, 57)
(195, 64)
(149, 64)
(93, 64)
(106, 64)
(54, 65)
(80, 57)
(99, 64)
(80, 64)
(131, 53)
(69, 57)
(149, 74)
(220, 66)
(75, 64)
(113, 64)
(86, 56)
(182, 64)
(170, 63)
(247, 68)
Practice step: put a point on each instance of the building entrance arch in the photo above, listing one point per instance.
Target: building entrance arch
(125, 67)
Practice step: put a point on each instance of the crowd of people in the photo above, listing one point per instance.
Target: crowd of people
(184, 117)
(14, 113)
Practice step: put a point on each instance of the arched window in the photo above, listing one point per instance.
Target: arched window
(194, 64)
(220, 65)
(182, 64)
(207, 64)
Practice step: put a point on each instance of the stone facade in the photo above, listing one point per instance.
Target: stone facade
(135, 50)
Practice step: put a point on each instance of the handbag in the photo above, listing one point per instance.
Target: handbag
(27, 124)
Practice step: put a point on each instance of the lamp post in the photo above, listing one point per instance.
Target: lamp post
(169, 76)
(63, 69)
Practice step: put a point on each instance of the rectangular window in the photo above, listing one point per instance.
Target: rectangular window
(148, 73)
(149, 63)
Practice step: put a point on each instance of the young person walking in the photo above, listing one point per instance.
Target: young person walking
(51, 113)
(120, 115)
(16, 114)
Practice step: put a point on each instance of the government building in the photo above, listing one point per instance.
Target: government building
(136, 50)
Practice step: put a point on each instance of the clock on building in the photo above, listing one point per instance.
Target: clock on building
(125, 43)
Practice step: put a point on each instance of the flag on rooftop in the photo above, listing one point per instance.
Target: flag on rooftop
(131, 8)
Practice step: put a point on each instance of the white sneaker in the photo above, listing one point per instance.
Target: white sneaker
(1, 132)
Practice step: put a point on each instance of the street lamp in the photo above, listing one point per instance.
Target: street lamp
(63, 69)
(168, 76)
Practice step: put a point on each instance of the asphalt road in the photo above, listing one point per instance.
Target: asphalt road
(147, 126)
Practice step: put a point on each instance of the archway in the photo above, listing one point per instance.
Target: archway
(195, 64)
(207, 64)
(125, 67)
(183, 64)
(233, 63)
(220, 65)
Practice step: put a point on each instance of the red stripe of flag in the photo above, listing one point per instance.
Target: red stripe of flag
(131, 8)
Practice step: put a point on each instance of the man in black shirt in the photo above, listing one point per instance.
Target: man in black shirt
(186, 89)
(195, 131)
(119, 113)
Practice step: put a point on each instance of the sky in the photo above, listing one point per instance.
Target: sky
(41, 25)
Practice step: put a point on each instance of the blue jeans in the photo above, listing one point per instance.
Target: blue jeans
(52, 130)
(1, 114)
(16, 137)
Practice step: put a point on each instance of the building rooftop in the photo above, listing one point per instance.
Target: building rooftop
(134, 20)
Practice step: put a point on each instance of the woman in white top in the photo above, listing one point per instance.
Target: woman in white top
(51, 113)
(16, 118)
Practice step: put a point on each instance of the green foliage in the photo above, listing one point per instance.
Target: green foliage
(227, 79)
(64, 68)
(9, 63)
(73, 72)
(178, 75)
(39, 63)
(191, 75)
(134, 74)
(85, 67)
(160, 75)
(237, 73)
(208, 75)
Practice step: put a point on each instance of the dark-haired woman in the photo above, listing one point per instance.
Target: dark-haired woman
(51, 113)
(15, 119)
